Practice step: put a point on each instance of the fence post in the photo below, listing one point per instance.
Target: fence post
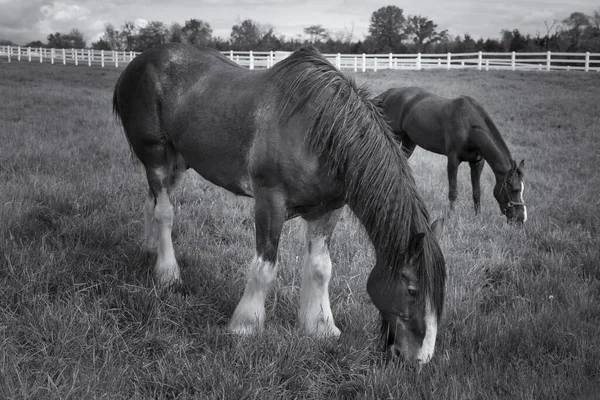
(338, 61)
(90, 53)
(8, 52)
(41, 55)
(587, 61)
(448, 57)
(513, 60)
(18, 53)
(271, 58)
(231, 55)
(51, 56)
(355, 64)
(390, 60)
(251, 59)
(479, 60)
(64, 57)
(418, 61)
(29, 54)
(487, 65)
(364, 62)
(548, 61)
(439, 62)
(102, 58)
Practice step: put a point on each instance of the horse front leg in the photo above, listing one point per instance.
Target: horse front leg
(453, 163)
(476, 168)
(269, 210)
(314, 315)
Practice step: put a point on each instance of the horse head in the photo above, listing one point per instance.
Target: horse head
(408, 311)
(509, 193)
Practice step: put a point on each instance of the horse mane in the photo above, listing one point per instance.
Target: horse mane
(357, 145)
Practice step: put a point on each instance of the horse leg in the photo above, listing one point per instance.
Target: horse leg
(476, 168)
(270, 214)
(159, 214)
(315, 315)
(408, 146)
(453, 163)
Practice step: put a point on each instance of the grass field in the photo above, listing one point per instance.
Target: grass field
(80, 317)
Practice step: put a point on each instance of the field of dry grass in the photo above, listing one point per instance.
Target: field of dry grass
(81, 318)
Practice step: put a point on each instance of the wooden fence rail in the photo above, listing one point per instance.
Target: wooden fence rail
(357, 62)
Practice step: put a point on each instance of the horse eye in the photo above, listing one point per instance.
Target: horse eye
(412, 292)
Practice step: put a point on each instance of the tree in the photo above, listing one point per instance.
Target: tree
(35, 43)
(71, 40)
(387, 29)
(101, 44)
(128, 36)
(111, 38)
(246, 35)
(151, 35)
(175, 33)
(316, 33)
(513, 40)
(422, 32)
(196, 32)
(576, 25)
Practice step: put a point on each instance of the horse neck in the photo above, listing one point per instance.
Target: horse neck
(494, 151)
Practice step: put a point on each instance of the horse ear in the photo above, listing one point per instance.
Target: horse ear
(415, 247)
(521, 167)
(437, 228)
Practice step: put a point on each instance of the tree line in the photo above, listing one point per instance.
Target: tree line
(390, 31)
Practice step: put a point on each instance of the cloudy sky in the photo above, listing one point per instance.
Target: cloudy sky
(25, 20)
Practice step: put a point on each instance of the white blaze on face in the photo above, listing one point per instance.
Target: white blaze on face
(428, 347)
(523, 201)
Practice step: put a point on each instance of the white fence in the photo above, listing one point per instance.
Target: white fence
(356, 62)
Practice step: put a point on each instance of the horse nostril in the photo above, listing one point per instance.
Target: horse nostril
(395, 351)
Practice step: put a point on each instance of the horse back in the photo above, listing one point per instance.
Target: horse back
(222, 119)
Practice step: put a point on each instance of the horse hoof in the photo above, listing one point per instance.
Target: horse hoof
(323, 330)
(168, 278)
(242, 329)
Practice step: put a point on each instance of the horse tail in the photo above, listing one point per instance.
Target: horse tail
(119, 117)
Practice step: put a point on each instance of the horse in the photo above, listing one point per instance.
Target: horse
(302, 140)
(461, 129)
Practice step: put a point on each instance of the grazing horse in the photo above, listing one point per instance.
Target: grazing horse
(302, 140)
(461, 129)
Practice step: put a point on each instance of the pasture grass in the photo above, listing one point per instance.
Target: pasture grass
(81, 318)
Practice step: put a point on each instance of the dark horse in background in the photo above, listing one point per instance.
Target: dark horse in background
(462, 130)
(302, 140)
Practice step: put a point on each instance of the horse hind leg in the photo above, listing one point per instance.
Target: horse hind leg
(159, 214)
(314, 315)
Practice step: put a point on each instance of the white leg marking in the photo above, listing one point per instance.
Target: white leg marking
(523, 201)
(249, 315)
(166, 269)
(150, 225)
(315, 315)
(428, 347)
